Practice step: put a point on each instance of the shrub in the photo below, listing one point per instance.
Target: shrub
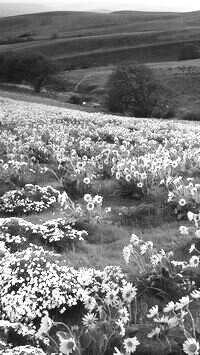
(22, 350)
(191, 116)
(54, 36)
(76, 99)
(61, 235)
(31, 198)
(56, 84)
(166, 112)
(16, 233)
(37, 267)
(134, 90)
(189, 51)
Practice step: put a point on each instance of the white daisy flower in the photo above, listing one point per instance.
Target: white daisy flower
(169, 307)
(67, 346)
(192, 248)
(183, 230)
(134, 239)
(89, 320)
(163, 319)
(129, 292)
(87, 198)
(124, 315)
(190, 216)
(154, 332)
(111, 297)
(89, 302)
(126, 252)
(90, 206)
(183, 302)
(128, 177)
(117, 352)
(191, 346)
(46, 324)
(194, 261)
(195, 294)
(98, 199)
(152, 312)
(120, 324)
(143, 176)
(197, 233)
(86, 180)
(182, 202)
(131, 344)
(173, 322)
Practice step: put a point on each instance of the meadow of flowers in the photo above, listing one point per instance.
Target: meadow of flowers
(76, 168)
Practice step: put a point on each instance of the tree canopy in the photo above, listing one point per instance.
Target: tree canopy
(33, 69)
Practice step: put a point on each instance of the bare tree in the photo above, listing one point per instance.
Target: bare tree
(135, 90)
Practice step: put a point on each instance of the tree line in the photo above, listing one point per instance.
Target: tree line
(132, 90)
(31, 69)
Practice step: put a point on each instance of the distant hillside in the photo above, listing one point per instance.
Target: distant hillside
(103, 11)
(11, 9)
(92, 38)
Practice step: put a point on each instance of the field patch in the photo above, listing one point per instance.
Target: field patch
(99, 232)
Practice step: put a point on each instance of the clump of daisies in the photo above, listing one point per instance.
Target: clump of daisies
(145, 256)
(185, 196)
(192, 231)
(106, 320)
(92, 209)
(28, 280)
(59, 233)
(177, 316)
(17, 232)
(31, 198)
(66, 340)
(22, 350)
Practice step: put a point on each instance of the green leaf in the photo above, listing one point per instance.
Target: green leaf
(86, 340)
(102, 342)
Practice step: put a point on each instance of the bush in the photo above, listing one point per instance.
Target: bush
(189, 51)
(56, 84)
(191, 116)
(166, 112)
(31, 198)
(76, 99)
(54, 36)
(134, 90)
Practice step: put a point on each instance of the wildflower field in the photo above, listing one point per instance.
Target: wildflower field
(99, 233)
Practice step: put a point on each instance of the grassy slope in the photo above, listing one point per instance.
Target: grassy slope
(108, 240)
(15, 93)
(95, 38)
(93, 80)
(174, 74)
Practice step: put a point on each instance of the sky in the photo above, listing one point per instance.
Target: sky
(142, 5)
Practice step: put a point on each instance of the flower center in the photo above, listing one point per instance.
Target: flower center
(70, 344)
(129, 344)
(193, 348)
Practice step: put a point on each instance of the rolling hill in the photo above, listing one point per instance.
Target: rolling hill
(89, 39)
